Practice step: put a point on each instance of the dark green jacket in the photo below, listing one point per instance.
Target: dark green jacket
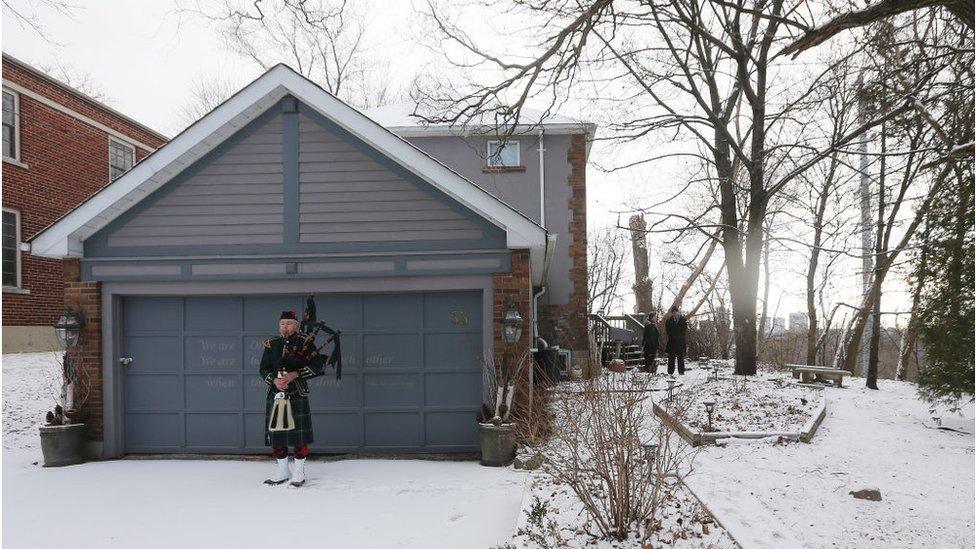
(297, 353)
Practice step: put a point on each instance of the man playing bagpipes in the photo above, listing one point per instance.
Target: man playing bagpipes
(289, 361)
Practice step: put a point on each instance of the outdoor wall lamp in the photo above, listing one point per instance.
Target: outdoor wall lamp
(511, 324)
(68, 328)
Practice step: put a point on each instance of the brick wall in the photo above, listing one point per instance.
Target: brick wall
(86, 356)
(514, 286)
(67, 161)
(566, 325)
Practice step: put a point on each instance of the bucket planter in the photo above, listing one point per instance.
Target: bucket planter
(63, 444)
(497, 444)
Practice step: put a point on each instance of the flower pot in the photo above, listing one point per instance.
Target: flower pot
(497, 444)
(63, 444)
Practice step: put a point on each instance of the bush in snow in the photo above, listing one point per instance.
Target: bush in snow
(597, 449)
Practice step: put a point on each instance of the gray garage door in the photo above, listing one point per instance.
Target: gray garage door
(411, 379)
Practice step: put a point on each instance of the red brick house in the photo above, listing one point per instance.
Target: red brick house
(59, 147)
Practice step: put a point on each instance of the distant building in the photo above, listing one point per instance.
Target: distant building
(777, 325)
(799, 322)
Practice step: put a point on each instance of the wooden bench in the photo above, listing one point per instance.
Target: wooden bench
(809, 374)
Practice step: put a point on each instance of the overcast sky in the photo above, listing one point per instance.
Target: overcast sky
(146, 59)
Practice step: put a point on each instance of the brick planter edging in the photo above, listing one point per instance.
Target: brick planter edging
(697, 438)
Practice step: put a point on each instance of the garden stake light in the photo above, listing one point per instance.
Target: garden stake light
(709, 407)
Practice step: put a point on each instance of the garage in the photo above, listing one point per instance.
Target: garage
(411, 379)
(180, 268)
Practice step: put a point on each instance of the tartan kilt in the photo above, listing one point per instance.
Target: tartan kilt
(301, 434)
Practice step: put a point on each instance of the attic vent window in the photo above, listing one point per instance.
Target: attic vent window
(121, 157)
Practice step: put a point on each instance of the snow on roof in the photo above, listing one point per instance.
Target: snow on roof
(400, 118)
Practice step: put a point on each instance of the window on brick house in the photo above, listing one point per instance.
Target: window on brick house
(121, 157)
(11, 248)
(11, 137)
(503, 154)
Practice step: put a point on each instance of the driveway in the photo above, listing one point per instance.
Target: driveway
(223, 503)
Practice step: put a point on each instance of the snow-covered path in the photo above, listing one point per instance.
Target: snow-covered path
(222, 503)
(797, 495)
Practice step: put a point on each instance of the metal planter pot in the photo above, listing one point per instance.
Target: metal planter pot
(63, 444)
(497, 444)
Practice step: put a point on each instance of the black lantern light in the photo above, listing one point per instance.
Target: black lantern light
(511, 324)
(709, 407)
(68, 328)
(650, 451)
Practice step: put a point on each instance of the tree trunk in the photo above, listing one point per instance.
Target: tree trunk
(643, 287)
(879, 243)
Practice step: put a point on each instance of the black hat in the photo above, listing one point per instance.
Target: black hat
(288, 315)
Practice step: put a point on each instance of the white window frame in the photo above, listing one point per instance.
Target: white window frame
(113, 139)
(505, 144)
(15, 159)
(20, 282)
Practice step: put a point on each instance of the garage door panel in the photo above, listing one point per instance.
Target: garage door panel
(342, 312)
(452, 312)
(327, 392)
(254, 430)
(255, 393)
(453, 351)
(384, 351)
(393, 429)
(213, 392)
(391, 312)
(212, 353)
(338, 430)
(154, 431)
(451, 428)
(453, 388)
(253, 351)
(213, 430)
(153, 392)
(213, 313)
(151, 314)
(153, 354)
(261, 313)
(393, 390)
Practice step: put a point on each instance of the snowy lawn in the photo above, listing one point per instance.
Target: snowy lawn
(766, 402)
(222, 503)
(798, 495)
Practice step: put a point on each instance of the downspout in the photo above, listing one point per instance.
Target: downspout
(542, 180)
(543, 286)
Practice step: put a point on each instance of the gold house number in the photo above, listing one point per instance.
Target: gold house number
(459, 317)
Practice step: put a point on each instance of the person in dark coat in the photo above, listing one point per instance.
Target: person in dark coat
(287, 364)
(650, 341)
(675, 327)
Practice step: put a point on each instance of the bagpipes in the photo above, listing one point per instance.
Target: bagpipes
(312, 326)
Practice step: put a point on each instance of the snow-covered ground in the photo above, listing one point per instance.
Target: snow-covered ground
(798, 495)
(222, 503)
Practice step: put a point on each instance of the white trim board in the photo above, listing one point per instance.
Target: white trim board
(64, 237)
(74, 114)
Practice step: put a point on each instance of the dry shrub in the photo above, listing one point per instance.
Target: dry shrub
(597, 449)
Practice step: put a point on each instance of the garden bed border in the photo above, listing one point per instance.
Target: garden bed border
(697, 438)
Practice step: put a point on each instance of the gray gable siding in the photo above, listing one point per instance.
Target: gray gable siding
(293, 182)
(347, 196)
(236, 198)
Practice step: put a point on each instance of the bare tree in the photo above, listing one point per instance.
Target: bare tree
(26, 14)
(321, 39)
(705, 70)
(205, 95)
(643, 284)
(607, 255)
